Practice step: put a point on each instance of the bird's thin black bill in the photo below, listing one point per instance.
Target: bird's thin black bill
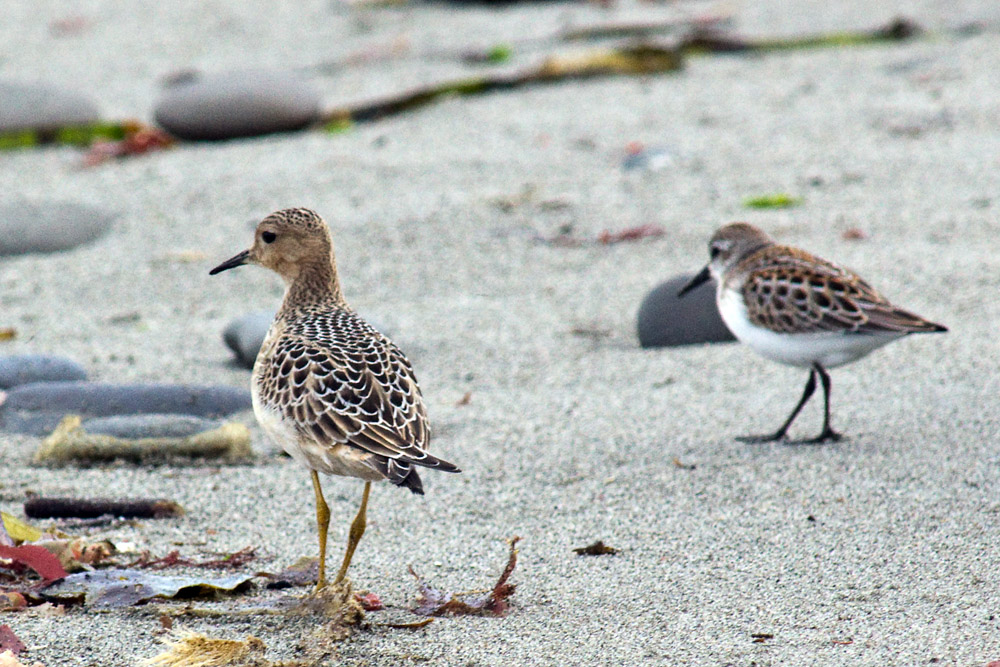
(231, 263)
(694, 282)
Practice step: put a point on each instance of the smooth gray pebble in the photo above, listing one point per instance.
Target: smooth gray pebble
(242, 103)
(664, 320)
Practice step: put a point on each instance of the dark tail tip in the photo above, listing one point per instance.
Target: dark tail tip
(435, 463)
(413, 483)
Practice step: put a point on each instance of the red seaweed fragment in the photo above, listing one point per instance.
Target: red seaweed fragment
(432, 602)
(139, 140)
(37, 558)
(369, 601)
(174, 559)
(9, 641)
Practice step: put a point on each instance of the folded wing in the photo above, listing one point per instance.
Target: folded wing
(797, 292)
(355, 387)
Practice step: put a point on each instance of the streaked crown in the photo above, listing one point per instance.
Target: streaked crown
(733, 242)
(289, 240)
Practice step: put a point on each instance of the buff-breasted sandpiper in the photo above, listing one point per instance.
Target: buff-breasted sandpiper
(333, 392)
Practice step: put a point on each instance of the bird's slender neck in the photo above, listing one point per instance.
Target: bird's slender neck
(314, 283)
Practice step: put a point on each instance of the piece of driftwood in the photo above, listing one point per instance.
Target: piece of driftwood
(620, 61)
(503, 49)
(705, 35)
(712, 40)
(48, 507)
(70, 443)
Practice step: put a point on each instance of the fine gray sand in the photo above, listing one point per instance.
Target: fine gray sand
(567, 438)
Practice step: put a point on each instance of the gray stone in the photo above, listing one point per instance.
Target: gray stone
(37, 408)
(149, 426)
(666, 321)
(245, 334)
(237, 104)
(27, 226)
(24, 368)
(38, 106)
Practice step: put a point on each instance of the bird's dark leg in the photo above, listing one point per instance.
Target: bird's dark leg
(780, 433)
(354, 536)
(322, 523)
(828, 434)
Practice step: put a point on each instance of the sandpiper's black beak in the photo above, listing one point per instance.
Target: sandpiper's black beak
(232, 263)
(702, 277)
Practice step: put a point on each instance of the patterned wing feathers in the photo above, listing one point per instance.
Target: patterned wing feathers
(358, 391)
(790, 291)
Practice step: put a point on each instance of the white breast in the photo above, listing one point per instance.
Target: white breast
(828, 348)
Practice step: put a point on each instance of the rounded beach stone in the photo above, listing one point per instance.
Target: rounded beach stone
(149, 426)
(245, 335)
(38, 106)
(38, 407)
(665, 320)
(24, 368)
(243, 103)
(27, 227)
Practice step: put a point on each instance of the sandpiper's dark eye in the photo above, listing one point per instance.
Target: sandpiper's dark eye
(268, 237)
(715, 251)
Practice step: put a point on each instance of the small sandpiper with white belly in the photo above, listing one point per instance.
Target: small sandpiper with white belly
(337, 395)
(798, 309)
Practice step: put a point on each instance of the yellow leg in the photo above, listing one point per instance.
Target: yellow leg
(322, 523)
(357, 530)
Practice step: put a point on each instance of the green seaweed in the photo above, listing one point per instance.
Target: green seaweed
(19, 139)
(777, 200)
(70, 135)
(84, 135)
(338, 125)
(499, 53)
(635, 60)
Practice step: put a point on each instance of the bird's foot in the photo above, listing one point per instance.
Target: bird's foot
(326, 587)
(828, 435)
(761, 439)
(336, 601)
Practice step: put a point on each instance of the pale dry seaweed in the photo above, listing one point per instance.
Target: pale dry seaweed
(70, 443)
(8, 659)
(191, 649)
(336, 609)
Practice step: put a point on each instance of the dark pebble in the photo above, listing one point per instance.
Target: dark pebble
(212, 107)
(149, 426)
(25, 368)
(49, 226)
(666, 321)
(38, 106)
(245, 334)
(37, 408)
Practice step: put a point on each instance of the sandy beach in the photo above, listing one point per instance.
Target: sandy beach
(881, 549)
